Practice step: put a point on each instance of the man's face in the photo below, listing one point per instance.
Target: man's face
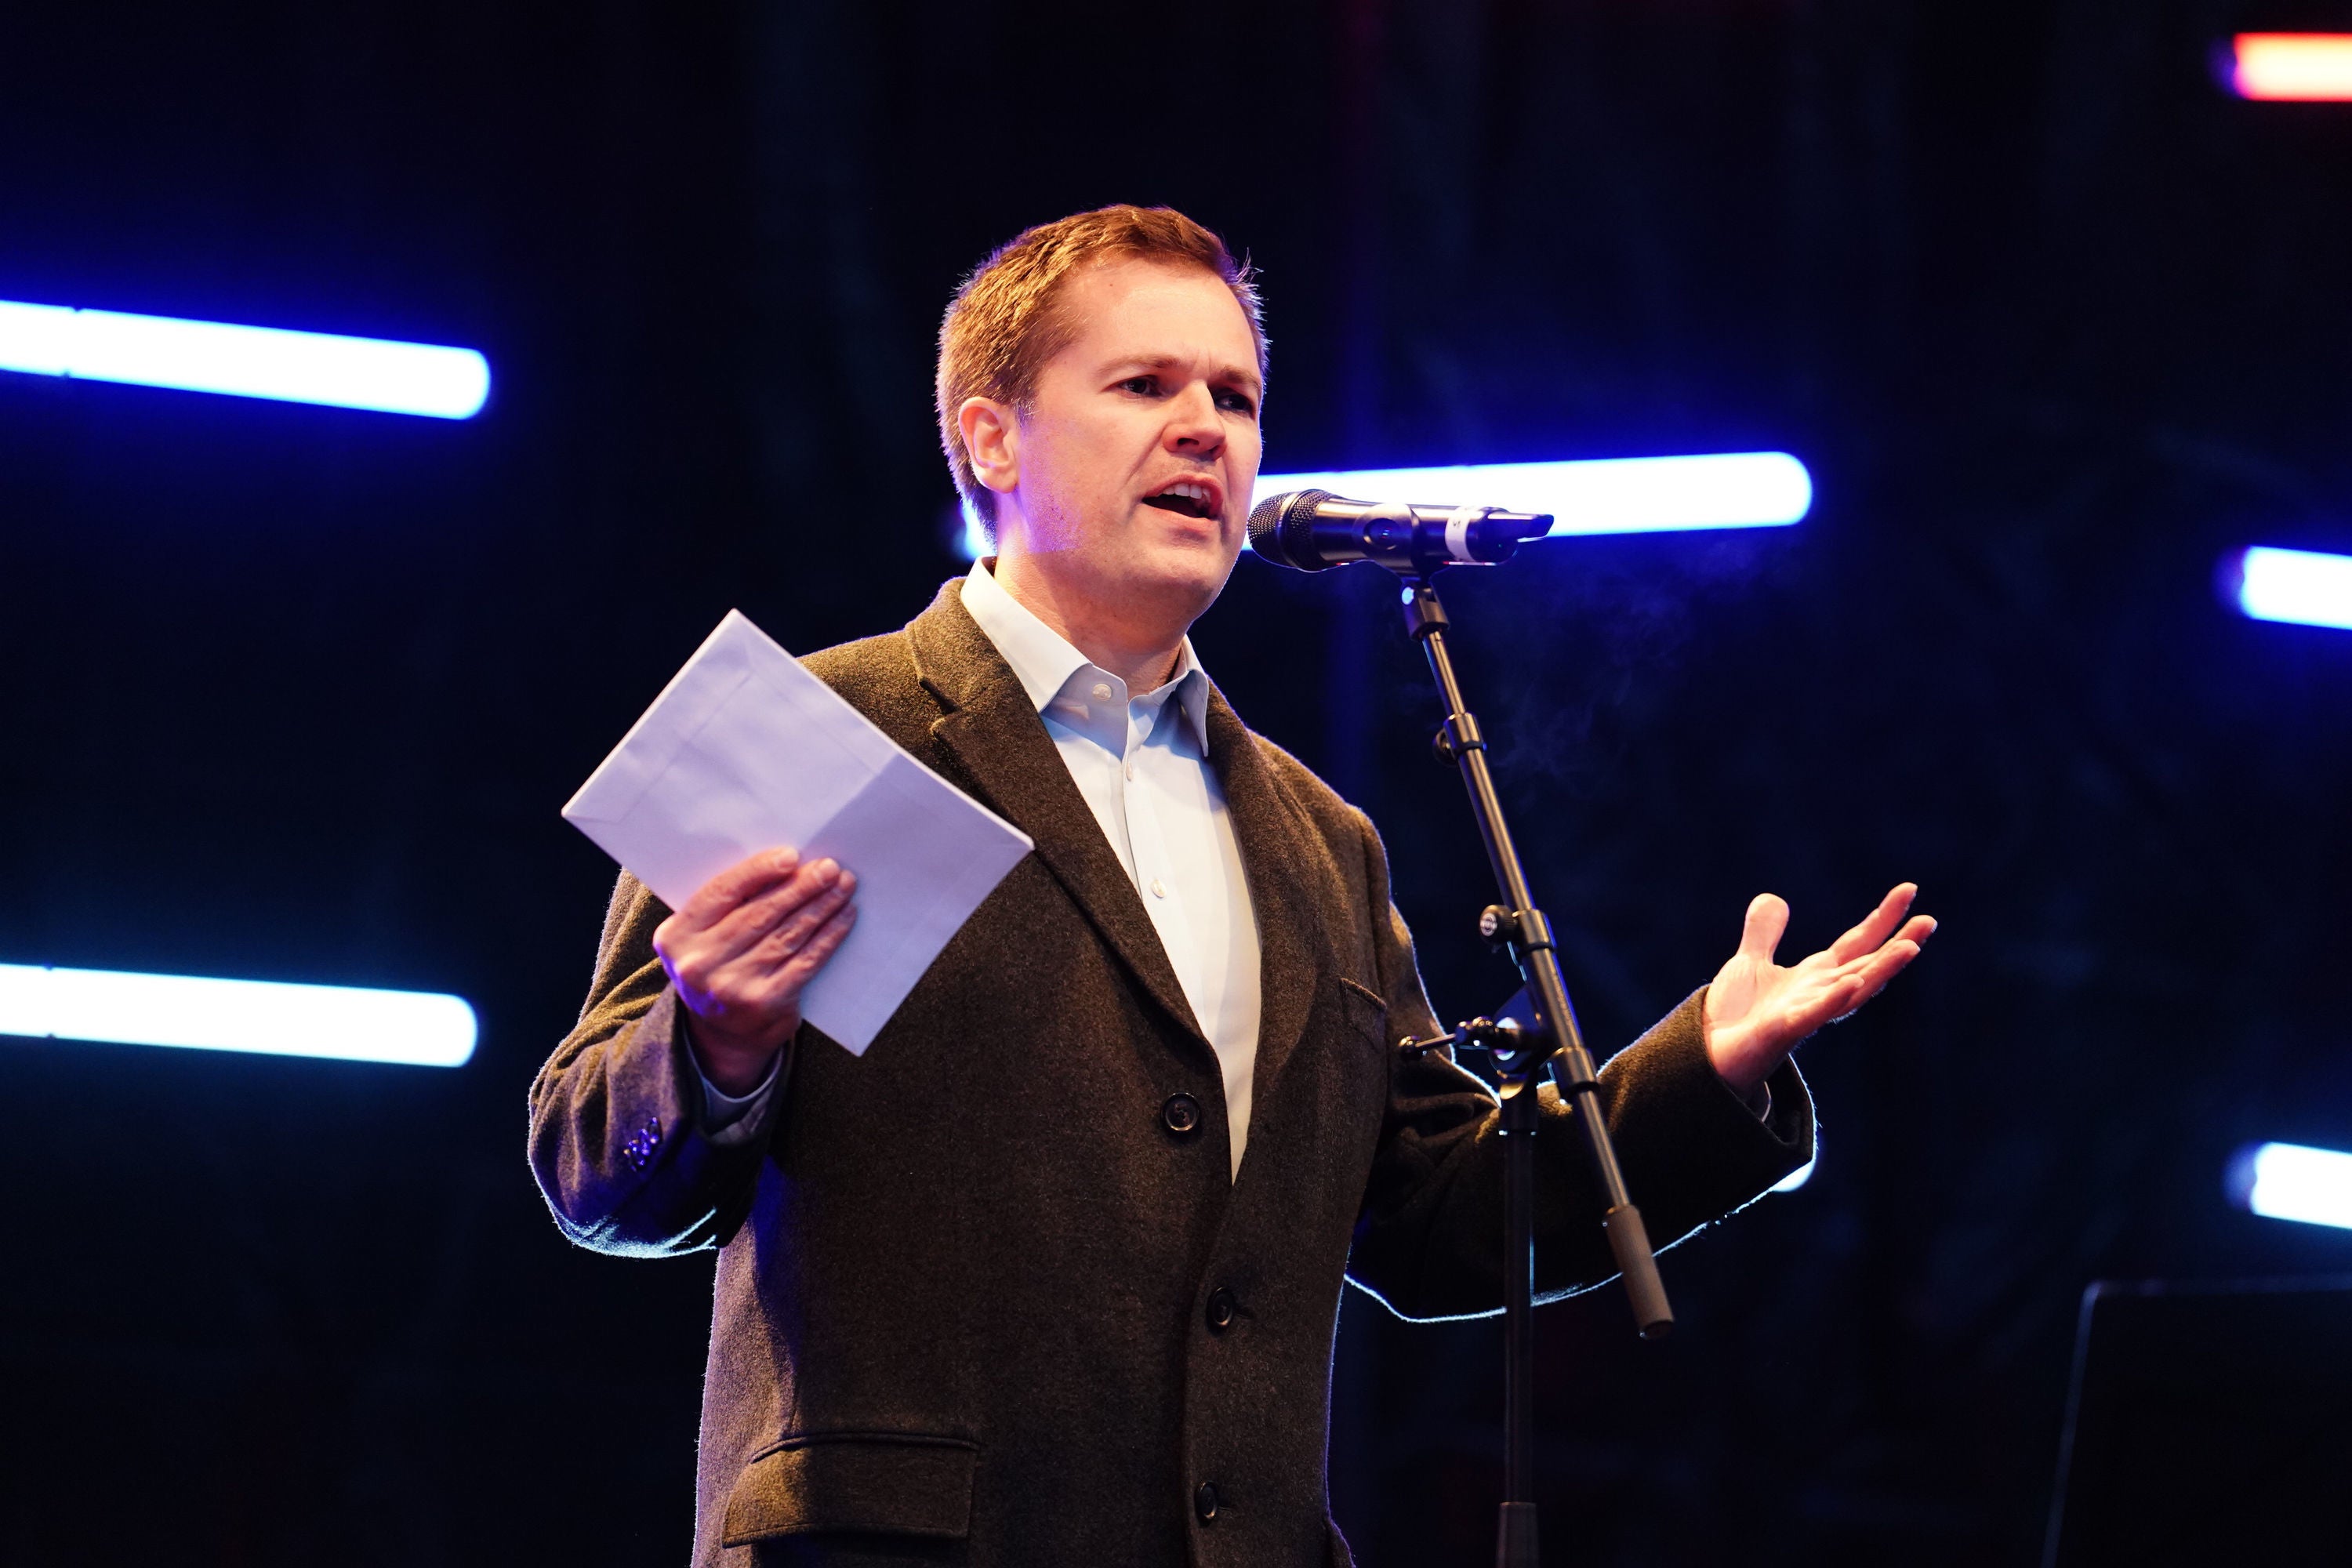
(1133, 466)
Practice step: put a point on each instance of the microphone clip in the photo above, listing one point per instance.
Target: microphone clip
(1507, 1038)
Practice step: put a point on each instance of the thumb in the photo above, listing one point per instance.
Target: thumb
(1768, 918)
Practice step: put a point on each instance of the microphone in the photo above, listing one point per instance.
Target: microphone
(1313, 530)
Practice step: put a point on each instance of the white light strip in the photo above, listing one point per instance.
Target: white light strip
(1798, 1177)
(2290, 1181)
(2305, 67)
(1608, 495)
(244, 361)
(1599, 495)
(417, 1028)
(2307, 587)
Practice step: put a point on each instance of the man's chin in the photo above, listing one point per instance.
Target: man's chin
(1176, 576)
(1180, 602)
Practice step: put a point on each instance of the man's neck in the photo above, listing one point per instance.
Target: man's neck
(1144, 657)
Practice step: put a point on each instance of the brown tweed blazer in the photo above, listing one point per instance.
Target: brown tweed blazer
(987, 1296)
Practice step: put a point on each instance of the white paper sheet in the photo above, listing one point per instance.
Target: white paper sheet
(745, 750)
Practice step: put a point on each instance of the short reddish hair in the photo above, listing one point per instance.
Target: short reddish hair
(1002, 326)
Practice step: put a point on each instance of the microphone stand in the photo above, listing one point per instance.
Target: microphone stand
(1521, 1057)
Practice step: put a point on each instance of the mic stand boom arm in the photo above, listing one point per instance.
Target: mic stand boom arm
(1557, 1041)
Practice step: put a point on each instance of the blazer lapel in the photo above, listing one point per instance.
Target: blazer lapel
(992, 735)
(1292, 944)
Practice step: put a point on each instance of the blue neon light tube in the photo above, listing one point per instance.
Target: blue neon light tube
(2308, 587)
(414, 1028)
(2294, 1181)
(244, 361)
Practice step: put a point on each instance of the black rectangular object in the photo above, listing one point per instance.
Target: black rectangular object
(2208, 1424)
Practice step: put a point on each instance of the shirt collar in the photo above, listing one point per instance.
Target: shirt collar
(1044, 663)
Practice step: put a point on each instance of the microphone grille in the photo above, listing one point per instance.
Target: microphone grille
(1271, 520)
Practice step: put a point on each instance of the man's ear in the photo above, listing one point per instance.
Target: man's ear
(992, 438)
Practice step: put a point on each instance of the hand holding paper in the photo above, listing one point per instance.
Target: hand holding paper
(745, 752)
(741, 951)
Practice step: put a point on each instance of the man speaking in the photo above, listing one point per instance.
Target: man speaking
(1049, 1276)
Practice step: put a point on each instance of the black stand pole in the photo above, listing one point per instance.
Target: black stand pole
(1520, 1056)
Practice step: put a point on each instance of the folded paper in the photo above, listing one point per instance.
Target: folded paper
(744, 751)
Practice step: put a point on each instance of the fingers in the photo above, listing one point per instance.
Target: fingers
(731, 958)
(756, 952)
(1869, 976)
(1912, 937)
(754, 919)
(727, 892)
(1768, 918)
(752, 997)
(1877, 926)
(811, 957)
(795, 931)
(771, 990)
(1822, 988)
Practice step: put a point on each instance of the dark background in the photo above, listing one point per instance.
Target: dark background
(294, 692)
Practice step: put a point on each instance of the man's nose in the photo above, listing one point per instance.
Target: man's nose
(1193, 427)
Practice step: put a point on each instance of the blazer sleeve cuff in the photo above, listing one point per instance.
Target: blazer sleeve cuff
(629, 1168)
(1693, 1148)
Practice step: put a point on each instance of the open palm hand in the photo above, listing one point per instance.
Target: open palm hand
(1758, 1012)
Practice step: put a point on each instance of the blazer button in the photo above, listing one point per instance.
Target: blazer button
(1221, 1310)
(1204, 1502)
(1181, 1113)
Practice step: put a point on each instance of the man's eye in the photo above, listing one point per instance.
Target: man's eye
(1141, 386)
(1237, 402)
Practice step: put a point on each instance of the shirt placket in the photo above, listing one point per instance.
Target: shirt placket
(1155, 870)
(1100, 715)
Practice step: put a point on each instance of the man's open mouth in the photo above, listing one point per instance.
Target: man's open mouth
(1187, 497)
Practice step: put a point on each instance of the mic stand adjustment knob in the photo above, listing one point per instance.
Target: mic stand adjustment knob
(1506, 1038)
(1521, 930)
(1457, 735)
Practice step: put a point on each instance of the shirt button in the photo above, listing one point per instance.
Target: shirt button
(1181, 1113)
(1130, 770)
(1204, 1502)
(1102, 692)
(1221, 1310)
(1159, 889)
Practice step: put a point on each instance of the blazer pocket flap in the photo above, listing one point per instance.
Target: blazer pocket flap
(884, 1483)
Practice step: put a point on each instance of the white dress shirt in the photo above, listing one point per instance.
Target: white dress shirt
(1141, 765)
